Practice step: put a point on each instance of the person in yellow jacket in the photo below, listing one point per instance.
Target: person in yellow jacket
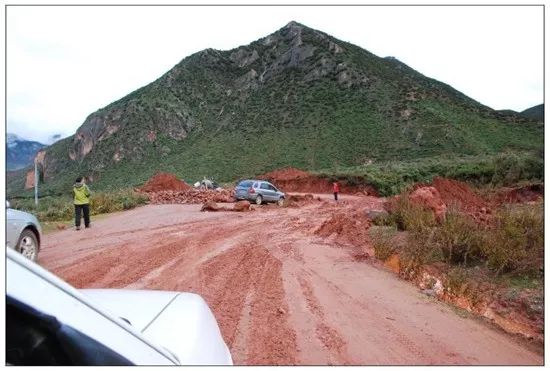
(81, 194)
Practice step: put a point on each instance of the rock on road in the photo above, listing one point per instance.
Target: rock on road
(281, 294)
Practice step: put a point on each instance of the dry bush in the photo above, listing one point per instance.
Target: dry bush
(459, 238)
(516, 243)
(383, 242)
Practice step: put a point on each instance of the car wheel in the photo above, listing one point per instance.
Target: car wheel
(281, 201)
(28, 245)
(259, 200)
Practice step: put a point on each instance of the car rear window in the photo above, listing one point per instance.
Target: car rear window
(245, 184)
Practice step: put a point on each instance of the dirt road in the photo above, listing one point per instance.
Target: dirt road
(281, 293)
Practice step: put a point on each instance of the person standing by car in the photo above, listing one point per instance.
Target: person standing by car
(81, 194)
(336, 190)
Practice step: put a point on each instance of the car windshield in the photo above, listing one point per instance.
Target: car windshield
(245, 184)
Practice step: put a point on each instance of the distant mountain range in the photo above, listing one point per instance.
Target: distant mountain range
(20, 152)
(297, 97)
(535, 113)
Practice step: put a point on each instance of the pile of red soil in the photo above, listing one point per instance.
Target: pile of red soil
(459, 194)
(349, 228)
(294, 200)
(429, 198)
(165, 182)
(296, 180)
(191, 196)
(524, 194)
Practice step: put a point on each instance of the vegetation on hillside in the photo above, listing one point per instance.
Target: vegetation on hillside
(393, 177)
(296, 98)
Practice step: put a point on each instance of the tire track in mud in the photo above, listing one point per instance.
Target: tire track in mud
(330, 338)
(392, 330)
(118, 266)
(130, 265)
(248, 277)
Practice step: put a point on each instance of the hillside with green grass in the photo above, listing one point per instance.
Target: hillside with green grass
(297, 97)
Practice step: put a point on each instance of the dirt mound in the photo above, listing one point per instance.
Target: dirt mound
(165, 182)
(457, 193)
(348, 228)
(294, 200)
(524, 194)
(191, 196)
(429, 197)
(296, 180)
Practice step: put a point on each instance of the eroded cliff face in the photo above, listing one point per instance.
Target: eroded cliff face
(129, 126)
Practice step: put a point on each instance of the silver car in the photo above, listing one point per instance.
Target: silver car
(258, 191)
(23, 232)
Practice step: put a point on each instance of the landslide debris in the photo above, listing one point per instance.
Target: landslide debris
(295, 180)
(348, 227)
(166, 188)
(192, 196)
(165, 182)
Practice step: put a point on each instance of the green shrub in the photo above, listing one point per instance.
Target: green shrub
(510, 168)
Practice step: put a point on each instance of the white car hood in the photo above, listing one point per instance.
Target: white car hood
(180, 322)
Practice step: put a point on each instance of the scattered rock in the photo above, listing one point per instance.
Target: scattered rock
(192, 196)
(281, 311)
(61, 227)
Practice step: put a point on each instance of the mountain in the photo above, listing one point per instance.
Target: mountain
(534, 113)
(297, 97)
(20, 153)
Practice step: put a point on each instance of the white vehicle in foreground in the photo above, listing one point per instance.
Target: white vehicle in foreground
(49, 322)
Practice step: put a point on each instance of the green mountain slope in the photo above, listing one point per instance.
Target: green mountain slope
(297, 98)
(534, 113)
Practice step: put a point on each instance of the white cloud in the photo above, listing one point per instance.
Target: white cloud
(63, 63)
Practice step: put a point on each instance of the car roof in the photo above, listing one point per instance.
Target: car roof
(253, 180)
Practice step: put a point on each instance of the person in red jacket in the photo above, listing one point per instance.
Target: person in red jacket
(336, 190)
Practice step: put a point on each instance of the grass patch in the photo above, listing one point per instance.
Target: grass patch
(61, 209)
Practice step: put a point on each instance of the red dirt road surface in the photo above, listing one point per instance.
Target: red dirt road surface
(284, 290)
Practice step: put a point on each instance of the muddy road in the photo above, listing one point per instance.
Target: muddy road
(282, 294)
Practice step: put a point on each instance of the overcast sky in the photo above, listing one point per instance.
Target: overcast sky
(64, 63)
